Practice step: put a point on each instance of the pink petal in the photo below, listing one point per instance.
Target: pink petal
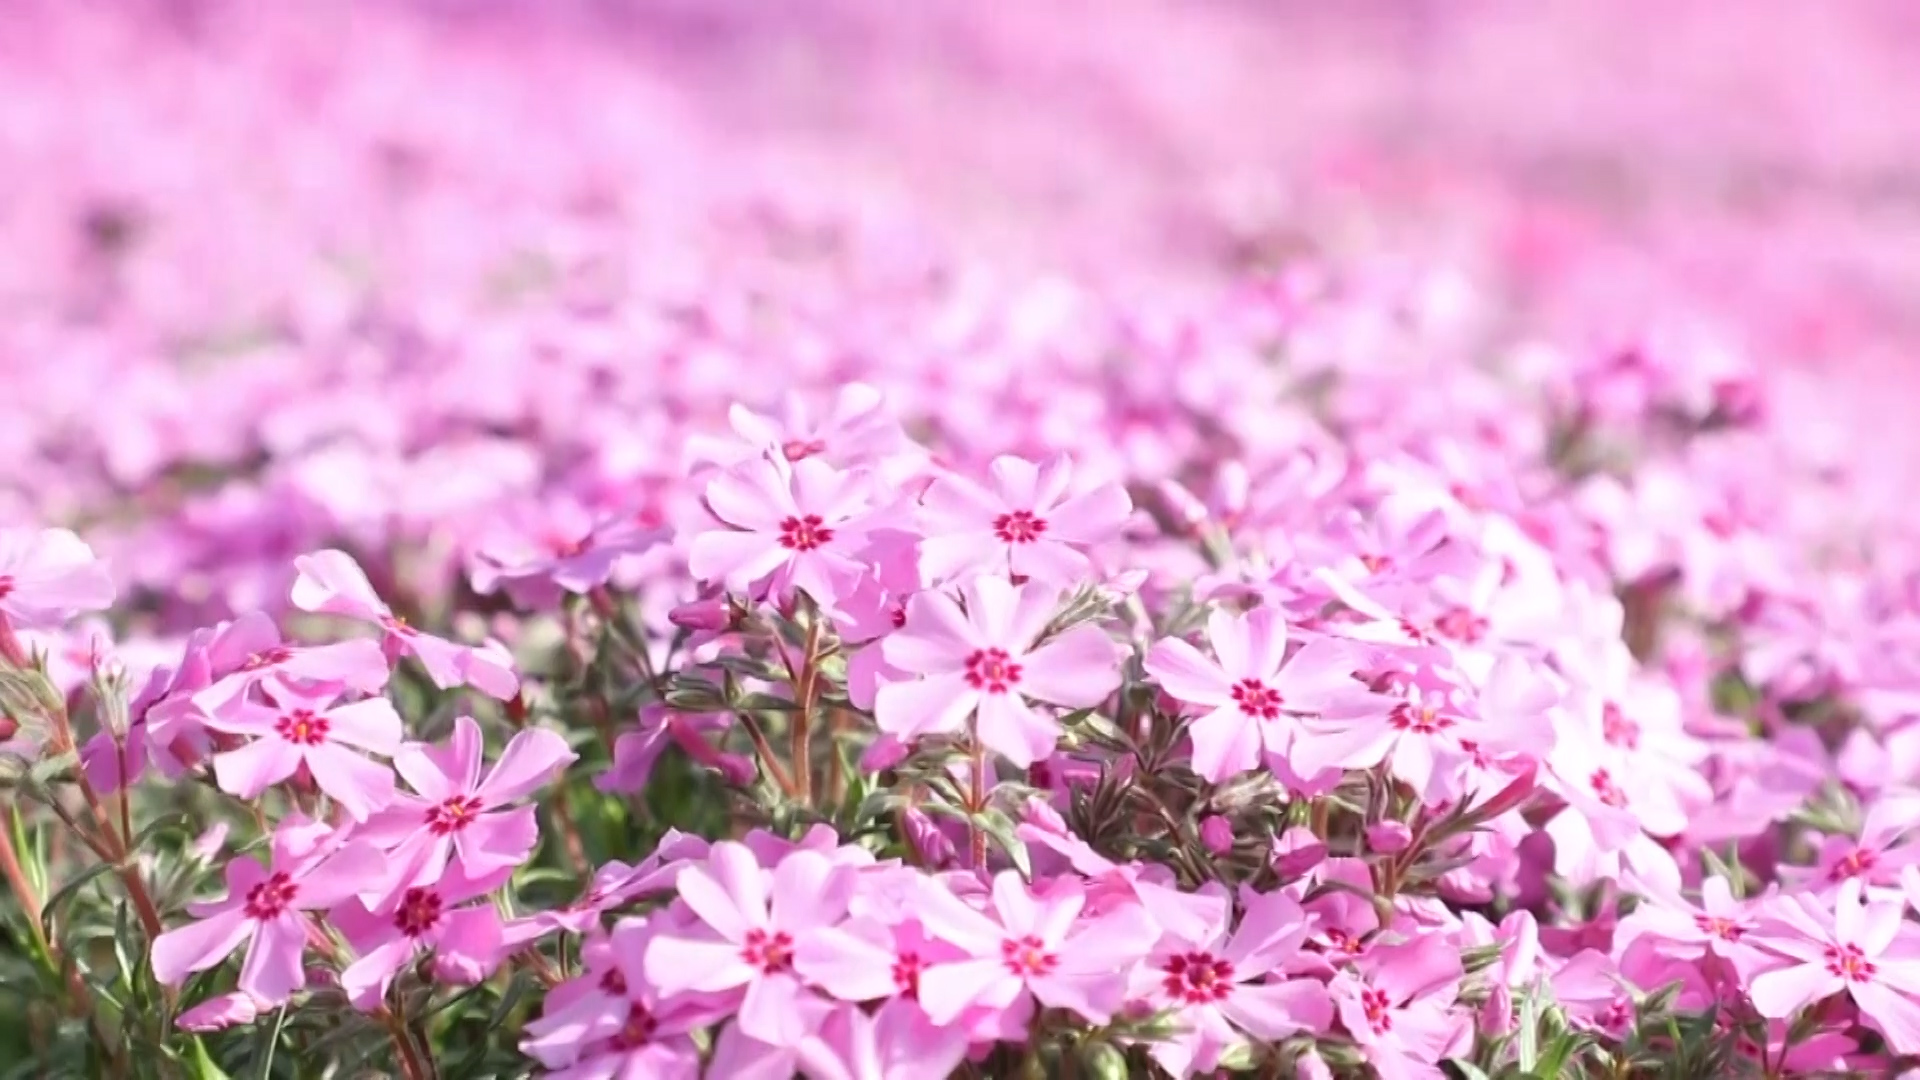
(533, 758)
(358, 785)
(366, 979)
(1092, 516)
(255, 767)
(358, 663)
(991, 603)
(946, 990)
(752, 495)
(1078, 669)
(372, 724)
(1273, 1011)
(439, 773)
(1361, 744)
(1049, 563)
(936, 638)
(676, 965)
(1892, 1014)
(770, 1012)
(1226, 743)
(930, 706)
(1183, 672)
(491, 842)
(346, 873)
(735, 559)
(331, 582)
(1778, 994)
(272, 970)
(1095, 997)
(471, 937)
(728, 892)
(198, 946)
(488, 668)
(853, 962)
(1018, 481)
(809, 891)
(1319, 674)
(1013, 729)
(957, 504)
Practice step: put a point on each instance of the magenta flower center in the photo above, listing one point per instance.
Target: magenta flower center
(1376, 564)
(638, 1030)
(561, 546)
(770, 951)
(302, 728)
(1857, 862)
(1461, 625)
(267, 658)
(1848, 962)
(1606, 790)
(453, 815)
(800, 449)
(271, 897)
(419, 912)
(394, 624)
(1027, 956)
(1256, 699)
(1420, 719)
(906, 974)
(1197, 978)
(1723, 928)
(804, 533)
(614, 983)
(1617, 729)
(6, 585)
(1378, 1009)
(1019, 527)
(992, 670)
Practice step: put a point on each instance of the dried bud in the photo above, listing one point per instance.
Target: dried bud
(107, 681)
(31, 700)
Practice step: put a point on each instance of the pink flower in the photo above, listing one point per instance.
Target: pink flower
(1215, 988)
(612, 1022)
(747, 924)
(560, 546)
(1719, 925)
(465, 941)
(310, 870)
(984, 660)
(223, 663)
(867, 959)
(457, 815)
(1029, 947)
(48, 576)
(295, 730)
(857, 430)
(1855, 948)
(1397, 1003)
(790, 526)
(221, 1012)
(896, 1042)
(1026, 525)
(331, 583)
(1254, 693)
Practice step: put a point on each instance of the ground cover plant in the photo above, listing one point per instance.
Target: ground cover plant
(506, 570)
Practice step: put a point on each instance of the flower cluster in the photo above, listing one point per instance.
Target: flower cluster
(569, 646)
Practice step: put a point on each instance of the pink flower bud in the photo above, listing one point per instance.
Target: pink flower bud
(712, 616)
(1217, 833)
(933, 847)
(1297, 851)
(1388, 837)
(459, 970)
(883, 753)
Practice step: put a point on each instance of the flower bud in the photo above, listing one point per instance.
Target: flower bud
(883, 753)
(1216, 833)
(220, 1013)
(713, 616)
(1389, 837)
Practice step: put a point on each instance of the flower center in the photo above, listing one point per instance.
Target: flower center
(613, 983)
(453, 815)
(1606, 790)
(1378, 1009)
(1420, 719)
(1857, 862)
(267, 658)
(1256, 699)
(1019, 527)
(1461, 625)
(1617, 729)
(992, 670)
(565, 547)
(1848, 962)
(6, 586)
(394, 624)
(1376, 564)
(804, 533)
(271, 897)
(302, 728)
(419, 912)
(798, 449)
(768, 951)
(906, 974)
(1027, 956)
(1197, 978)
(638, 1030)
(1723, 928)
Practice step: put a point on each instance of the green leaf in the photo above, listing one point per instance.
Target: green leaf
(1527, 1038)
(66, 894)
(1468, 1070)
(201, 1065)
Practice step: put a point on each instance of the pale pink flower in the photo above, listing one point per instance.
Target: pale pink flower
(465, 941)
(1026, 525)
(788, 526)
(1254, 694)
(536, 553)
(294, 730)
(895, 1042)
(263, 909)
(48, 576)
(1855, 948)
(612, 1022)
(331, 583)
(1396, 1001)
(1029, 947)
(985, 660)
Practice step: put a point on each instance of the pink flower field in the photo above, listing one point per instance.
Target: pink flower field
(1096, 539)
